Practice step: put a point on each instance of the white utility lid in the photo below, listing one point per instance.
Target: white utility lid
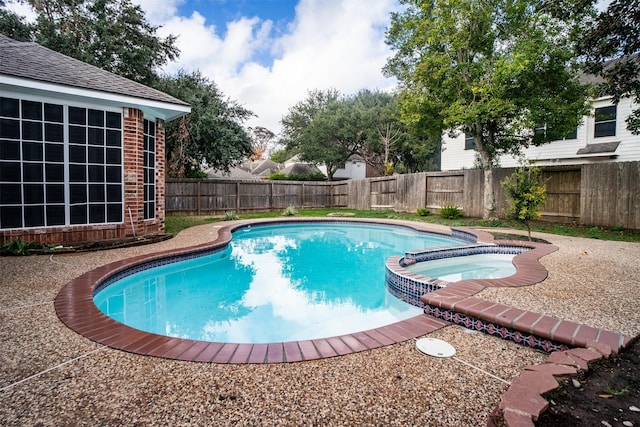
(435, 347)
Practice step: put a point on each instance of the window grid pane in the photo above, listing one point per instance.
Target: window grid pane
(149, 169)
(34, 159)
(605, 122)
(469, 143)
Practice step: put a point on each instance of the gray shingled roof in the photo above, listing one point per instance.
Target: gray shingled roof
(32, 61)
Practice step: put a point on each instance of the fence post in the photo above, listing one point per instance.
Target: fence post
(238, 196)
(199, 196)
(302, 195)
(331, 195)
(271, 196)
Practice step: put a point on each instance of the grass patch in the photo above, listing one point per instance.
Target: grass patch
(174, 224)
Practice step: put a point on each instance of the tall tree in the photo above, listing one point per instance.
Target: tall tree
(379, 125)
(316, 129)
(611, 46)
(111, 34)
(494, 69)
(211, 135)
(262, 141)
(327, 128)
(13, 25)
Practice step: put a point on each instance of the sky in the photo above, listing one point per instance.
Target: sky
(268, 54)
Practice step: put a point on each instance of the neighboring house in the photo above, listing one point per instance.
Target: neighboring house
(296, 166)
(354, 168)
(300, 169)
(250, 169)
(81, 149)
(603, 136)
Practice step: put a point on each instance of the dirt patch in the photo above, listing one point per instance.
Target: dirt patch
(103, 244)
(518, 237)
(608, 394)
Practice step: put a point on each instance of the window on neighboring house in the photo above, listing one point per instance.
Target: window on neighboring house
(469, 143)
(42, 144)
(149, 169)
(605, 122)
(541, 129)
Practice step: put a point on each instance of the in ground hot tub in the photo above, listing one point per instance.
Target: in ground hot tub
(426, 270)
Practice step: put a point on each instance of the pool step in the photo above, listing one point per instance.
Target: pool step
(456, 305)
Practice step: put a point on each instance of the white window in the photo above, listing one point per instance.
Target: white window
(469, 143)
(149, 165)
(605, 122)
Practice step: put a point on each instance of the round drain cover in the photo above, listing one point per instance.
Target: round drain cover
(435, 347)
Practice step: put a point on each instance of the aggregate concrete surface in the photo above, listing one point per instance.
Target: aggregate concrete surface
(51, 376)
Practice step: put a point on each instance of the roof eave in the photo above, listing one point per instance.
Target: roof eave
(162, 110)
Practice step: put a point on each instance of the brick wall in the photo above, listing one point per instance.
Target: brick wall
(133, 129)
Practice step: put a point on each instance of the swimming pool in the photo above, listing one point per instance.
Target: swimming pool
(272, 283)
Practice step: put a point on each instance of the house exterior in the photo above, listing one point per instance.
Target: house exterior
(354, 168)
(603, 136)
(81, 149)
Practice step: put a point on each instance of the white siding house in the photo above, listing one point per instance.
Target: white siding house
(603, 136)
(354, 168)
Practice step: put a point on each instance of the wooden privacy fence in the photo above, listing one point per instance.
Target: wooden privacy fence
(604, 194)
(214, 196)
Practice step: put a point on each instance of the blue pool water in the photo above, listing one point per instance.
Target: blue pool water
(480, 266)
(272, 284)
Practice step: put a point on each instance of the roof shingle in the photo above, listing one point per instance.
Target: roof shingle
(31, 61)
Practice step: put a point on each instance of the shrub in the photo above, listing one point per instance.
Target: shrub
(230, 216)
(278, 176)
(423, 212)
(290, 211)
(451, 212)
(18, 247)
(527, 194)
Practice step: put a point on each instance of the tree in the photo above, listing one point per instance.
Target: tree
(261, 141)
(12, 25)
(526, 194)
(110, 34)
(318, 129)
(212, 134)
(327, 128)
(280, 155)
(611, 47)
(494, 69)
(379, 124)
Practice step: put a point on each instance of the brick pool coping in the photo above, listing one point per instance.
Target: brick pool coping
(75, 307)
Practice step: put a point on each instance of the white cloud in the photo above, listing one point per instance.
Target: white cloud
(330, 44)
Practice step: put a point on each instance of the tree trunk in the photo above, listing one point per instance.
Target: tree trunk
(489, 211)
